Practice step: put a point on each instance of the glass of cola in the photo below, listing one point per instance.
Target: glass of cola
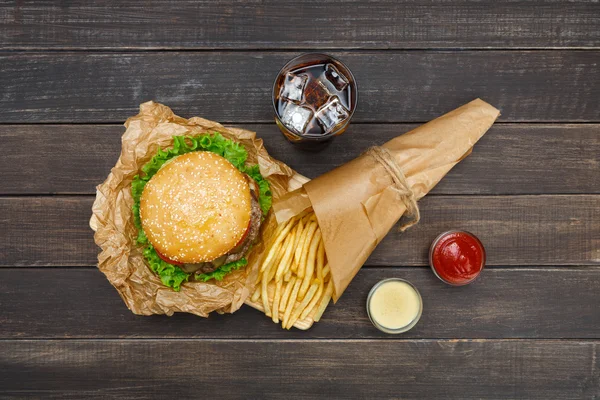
(314, 97)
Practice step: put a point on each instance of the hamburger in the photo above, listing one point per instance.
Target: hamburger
(198, 208)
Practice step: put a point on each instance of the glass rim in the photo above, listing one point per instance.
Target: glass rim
(352, 82)
(408, 326)
(436, 241)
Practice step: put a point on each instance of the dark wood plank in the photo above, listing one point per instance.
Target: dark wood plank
(503, 303)
(236, 86)
(501, 163)
(516, 230)
(444, 369)
(288, 24)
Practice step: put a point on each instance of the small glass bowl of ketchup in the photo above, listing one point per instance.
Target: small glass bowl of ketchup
(457, 257)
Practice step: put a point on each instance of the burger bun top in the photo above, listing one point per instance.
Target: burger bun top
(196, 208)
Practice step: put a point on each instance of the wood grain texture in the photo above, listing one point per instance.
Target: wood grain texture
(510, 159)
(288, 24)
(528, 328)
(444, 369)
(516, 230)
(396, 86)
(71, 303)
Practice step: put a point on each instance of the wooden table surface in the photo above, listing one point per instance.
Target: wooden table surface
(72, 72)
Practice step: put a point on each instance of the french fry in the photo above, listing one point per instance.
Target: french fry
(325, 271)
(270, 246)
(282, 235)
(287, 275)
(270, 272)
(310, 229)
(276, 299)
(287, 248)
(300, 307)
(265, 297)
(305, 247)
(321, 309)
(314, 300)
(320, 259)
(300, 247)
(286, 294)
(310, 264)
(278, 230)
(291, 302)
(299, 231)
(306, 217)
(324, 302)
(266, 265)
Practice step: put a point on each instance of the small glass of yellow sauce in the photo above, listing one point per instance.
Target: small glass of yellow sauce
(394, 305)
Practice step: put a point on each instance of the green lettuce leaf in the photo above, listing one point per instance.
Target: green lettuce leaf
(172, 275)
(265, 198)
(219, 273)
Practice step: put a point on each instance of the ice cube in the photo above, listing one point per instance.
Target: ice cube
(296, 117)
(316, 93)
(293, 86)
(335, 77)
(332, 114)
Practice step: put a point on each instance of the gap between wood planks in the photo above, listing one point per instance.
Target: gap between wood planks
(108, 50)
(307, 340)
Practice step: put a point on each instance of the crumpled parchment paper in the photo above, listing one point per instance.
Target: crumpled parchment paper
(121, 259)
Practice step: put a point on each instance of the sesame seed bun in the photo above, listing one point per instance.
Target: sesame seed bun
(196, 207)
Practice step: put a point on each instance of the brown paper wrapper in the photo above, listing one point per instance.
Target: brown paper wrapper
(121, 259)
(356, 204)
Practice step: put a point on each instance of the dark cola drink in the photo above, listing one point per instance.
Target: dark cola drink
(314, 98)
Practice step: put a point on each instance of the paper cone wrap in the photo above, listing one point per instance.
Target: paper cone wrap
(358, 203)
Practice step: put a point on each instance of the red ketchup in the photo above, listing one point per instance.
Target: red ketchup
(457, 257)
